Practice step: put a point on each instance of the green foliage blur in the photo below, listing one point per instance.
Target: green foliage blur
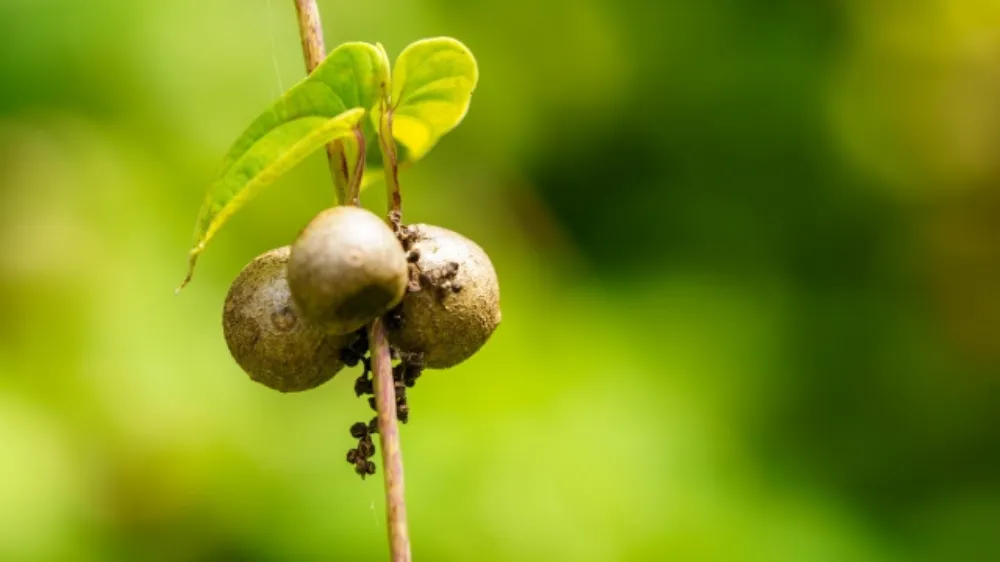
(750, 266)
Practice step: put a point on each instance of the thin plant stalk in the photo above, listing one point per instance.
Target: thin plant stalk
(314, 51)
(392, 455)
(391, 164)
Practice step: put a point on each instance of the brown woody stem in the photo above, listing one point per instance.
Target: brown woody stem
(385, 391)
(392, 456)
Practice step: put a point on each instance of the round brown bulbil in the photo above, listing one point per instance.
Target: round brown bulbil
(346, 268)
(458, 306)
(267, 336)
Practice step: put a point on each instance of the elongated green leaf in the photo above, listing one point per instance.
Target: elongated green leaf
(432, 84)
(324, 106)
(352, 75)
(270, 155)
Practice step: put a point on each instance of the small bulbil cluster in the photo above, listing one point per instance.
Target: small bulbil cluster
(296, 315)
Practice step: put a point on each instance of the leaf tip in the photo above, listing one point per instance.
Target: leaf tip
(184, 283)
(190, 270)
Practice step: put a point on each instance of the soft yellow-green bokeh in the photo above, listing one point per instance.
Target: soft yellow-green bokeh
(750, 271)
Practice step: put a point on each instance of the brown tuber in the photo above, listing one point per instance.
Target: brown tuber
(267, 336)
(458, 305)
(346, 268)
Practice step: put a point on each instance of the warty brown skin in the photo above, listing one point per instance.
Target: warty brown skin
(449, 327)
(346, 268)
(267, 335)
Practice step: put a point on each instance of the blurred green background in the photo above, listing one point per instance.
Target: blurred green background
(750, 262)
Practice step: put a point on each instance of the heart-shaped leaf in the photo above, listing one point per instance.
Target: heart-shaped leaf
(271, 155)
(432, 84)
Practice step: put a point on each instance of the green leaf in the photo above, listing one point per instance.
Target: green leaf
(352, 75)
(270, 155)
(432, 84)
(323, 107)
(430, 95)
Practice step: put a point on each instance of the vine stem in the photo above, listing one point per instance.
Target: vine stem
(314, 51)
(311, 31)
(388, 432)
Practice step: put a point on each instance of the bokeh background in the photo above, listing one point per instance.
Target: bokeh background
(750, 260)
